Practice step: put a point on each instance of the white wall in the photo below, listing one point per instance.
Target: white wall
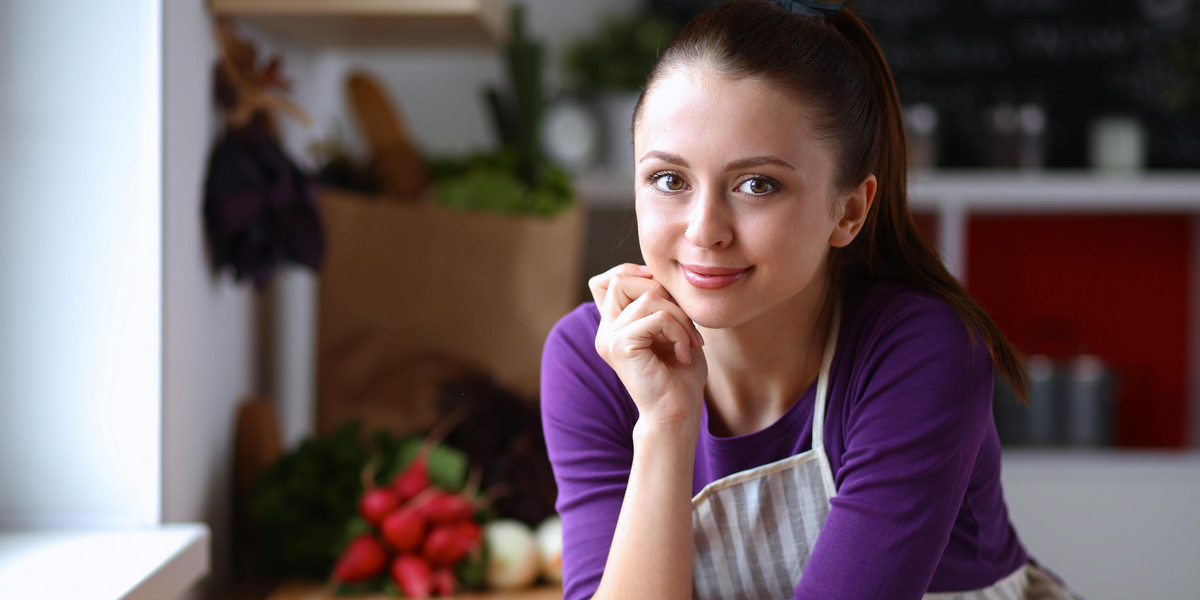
(209, 323)
(80, 258)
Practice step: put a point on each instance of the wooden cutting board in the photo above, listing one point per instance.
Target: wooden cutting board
(298, 590)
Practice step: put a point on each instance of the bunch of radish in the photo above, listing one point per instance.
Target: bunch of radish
(419, 533)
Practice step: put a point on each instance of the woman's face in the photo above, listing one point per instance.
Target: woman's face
(735, 205)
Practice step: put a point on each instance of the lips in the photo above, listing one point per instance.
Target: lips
(713, 278)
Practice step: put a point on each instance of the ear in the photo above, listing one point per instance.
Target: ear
(855, 207)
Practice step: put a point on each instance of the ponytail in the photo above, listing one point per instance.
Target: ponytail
(890, 245)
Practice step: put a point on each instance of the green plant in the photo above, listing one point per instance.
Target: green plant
(516, 179)
(517, 110)
(619, 55)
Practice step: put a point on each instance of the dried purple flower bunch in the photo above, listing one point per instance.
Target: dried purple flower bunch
(260, 209)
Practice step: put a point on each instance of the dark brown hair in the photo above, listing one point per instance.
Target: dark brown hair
(833, 64)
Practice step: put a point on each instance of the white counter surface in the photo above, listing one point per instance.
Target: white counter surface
(157, 563)
(1115, 524)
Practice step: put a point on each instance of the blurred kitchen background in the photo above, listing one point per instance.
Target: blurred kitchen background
(160, 346)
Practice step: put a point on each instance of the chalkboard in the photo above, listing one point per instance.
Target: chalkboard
(1076, 59)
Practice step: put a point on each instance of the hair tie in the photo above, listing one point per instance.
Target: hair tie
(812, 8)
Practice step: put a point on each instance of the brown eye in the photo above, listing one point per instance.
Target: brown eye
(668, 182)
(758, 186)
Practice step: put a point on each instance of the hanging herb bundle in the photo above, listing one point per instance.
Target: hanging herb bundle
(260, 209)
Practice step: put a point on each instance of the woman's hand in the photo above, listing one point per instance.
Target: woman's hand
(651, 344)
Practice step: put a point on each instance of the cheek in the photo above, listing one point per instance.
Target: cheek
(788, 237)
(654, 233)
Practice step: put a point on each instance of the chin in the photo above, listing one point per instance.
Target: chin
(711, 313)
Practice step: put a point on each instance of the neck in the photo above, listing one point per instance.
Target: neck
(759, 369)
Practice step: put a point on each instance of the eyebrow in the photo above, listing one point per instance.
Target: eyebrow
(665, 156)
(758, 161)
(753, 161)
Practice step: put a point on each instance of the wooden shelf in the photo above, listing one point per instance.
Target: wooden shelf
(376, 23)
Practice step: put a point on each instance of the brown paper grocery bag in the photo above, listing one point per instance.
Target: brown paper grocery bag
(412, 295)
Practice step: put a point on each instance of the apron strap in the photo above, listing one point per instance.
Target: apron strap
(818, 429)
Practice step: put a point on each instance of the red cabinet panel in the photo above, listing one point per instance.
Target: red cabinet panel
(1113, 285)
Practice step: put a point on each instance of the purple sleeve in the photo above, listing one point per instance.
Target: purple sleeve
(588, 420)
(918, 407)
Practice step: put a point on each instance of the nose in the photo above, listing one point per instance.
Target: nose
(709, 225)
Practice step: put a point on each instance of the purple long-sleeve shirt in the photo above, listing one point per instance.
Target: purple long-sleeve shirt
(909, 433)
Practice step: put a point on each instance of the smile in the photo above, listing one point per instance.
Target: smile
(713, 278)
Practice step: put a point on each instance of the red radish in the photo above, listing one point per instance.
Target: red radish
(377, 503)
(413, 575)
(444, 583)
(470, 530)
(363, 559)
(445, 507)
(415, 478)
(404, 529)
(413, 481)
(446, 545)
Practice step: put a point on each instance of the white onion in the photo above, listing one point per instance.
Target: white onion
(514, 561)
(549, 539)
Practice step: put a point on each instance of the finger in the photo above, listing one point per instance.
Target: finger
(599, 284)
(661, 329)
(646, 303)
(635, 288)
(623, 289)
(650, 304)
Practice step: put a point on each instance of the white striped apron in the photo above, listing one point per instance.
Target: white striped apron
(754, 530)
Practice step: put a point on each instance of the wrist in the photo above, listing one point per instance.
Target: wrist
(662, 434)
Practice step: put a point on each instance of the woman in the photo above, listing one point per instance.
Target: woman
(793, 358)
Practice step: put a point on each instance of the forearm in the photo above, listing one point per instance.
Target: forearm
(651, 552)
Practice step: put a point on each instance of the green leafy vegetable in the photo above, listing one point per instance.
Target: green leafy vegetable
(447, 466)
(472, 570)
(491, 182)
(300, 505)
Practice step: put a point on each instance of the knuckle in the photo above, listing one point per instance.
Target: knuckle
(604, 346)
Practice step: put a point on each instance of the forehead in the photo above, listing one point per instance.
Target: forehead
(694, 109)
